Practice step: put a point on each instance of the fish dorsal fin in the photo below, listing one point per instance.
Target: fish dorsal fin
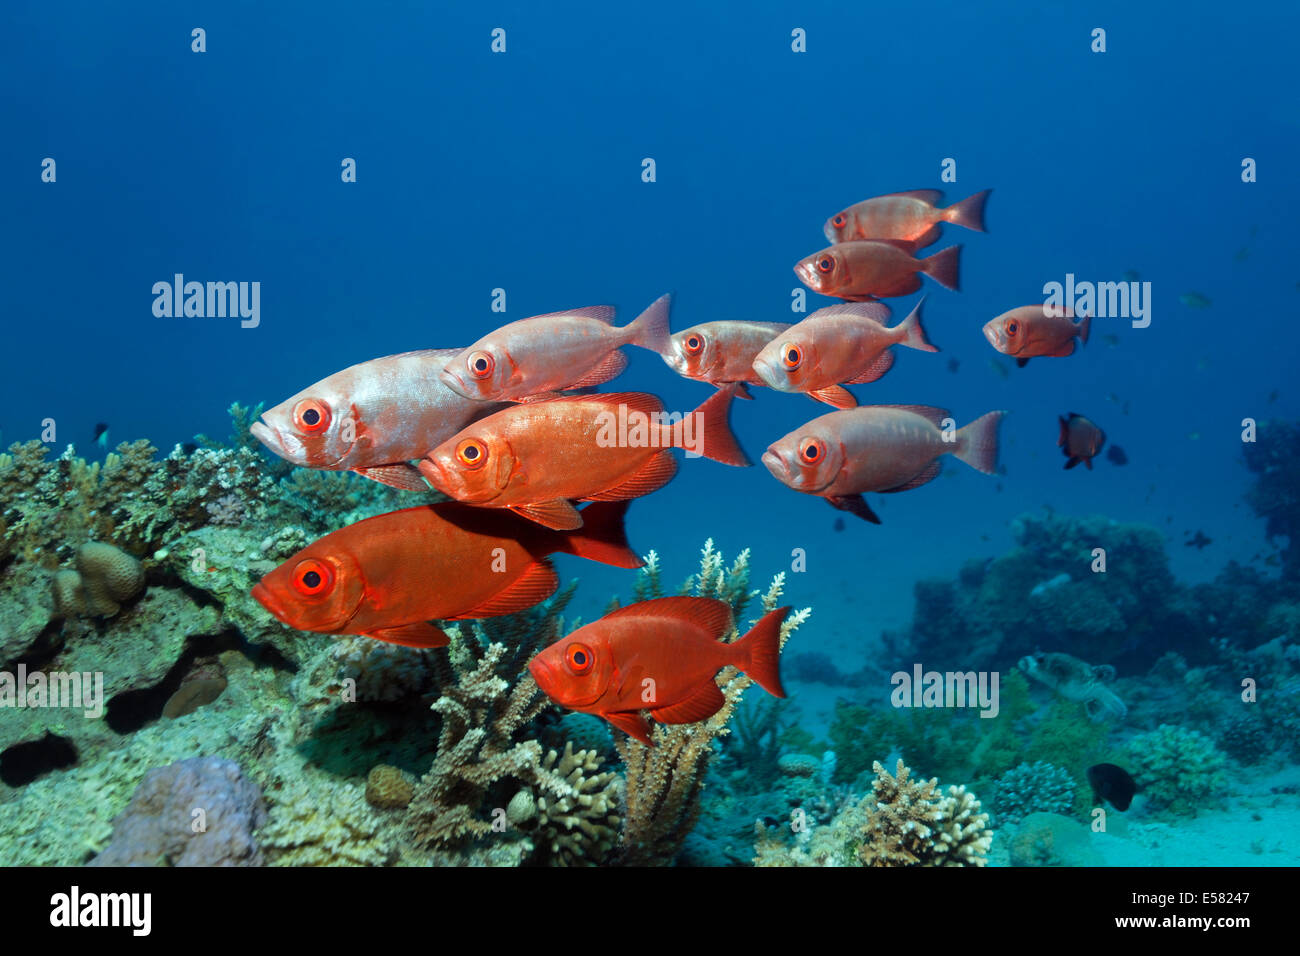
(635, 401)
(558, 514)
(929, 473)
(834, 395)
(419, 634)
(611, 366)
(447, 354)
(883, 363)
(907, 245)
(632, 723)
(601, 313)
(401, 475)
(532, 587)
(652, 476)
(702, 704)
(934, 416)
(874, 310)
(709, 614)
(932, 196)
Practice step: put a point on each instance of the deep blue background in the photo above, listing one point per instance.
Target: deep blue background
(522, 171)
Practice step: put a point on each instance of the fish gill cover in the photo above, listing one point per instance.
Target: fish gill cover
(441, 258)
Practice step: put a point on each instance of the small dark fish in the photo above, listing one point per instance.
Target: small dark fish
(1195, 300)
(839, 524)
(1080, 440)
(1130, 275)
(189, 448)
(1199, 541)
(1115, 455)
(1272, 396)
(953, 365)
(101, 435)
(1113, 784)
(1111, 340)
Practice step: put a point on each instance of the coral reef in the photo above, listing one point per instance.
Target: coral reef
(578, 827)
(1274, 457)
(1179, 771)
(1037, 787)
(197, 812)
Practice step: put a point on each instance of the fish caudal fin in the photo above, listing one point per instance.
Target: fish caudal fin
(977, 443)
(913, 332)
(943, 267)
(1085, 326)
(649, 330)
(602, 536)
(758, 653)
(710, 432)
(969, 212)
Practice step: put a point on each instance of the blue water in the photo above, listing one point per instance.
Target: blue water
(522, 171)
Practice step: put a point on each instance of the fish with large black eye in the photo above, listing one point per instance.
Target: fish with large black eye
(721, 352)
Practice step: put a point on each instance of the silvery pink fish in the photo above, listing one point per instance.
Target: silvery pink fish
(875, 269)
(721, 352)
(372, 418)
(1036, 330)
(912, 215)
(541, 356)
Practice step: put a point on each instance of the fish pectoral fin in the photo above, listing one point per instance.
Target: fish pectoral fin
(930, 473)
(882, 364)
(855, 504)
(611, 366)
(557, 514)
(402, 475)
(651, 476)
(419, 634)
(1021, 362)
(834, 395)
(632, 723)
(701, 705)
(535, 585)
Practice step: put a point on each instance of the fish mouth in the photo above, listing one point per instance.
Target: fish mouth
(831, 233)
(435, 474)
(263, 596)
(807, 274)
(267, 435)
(995, 337)
(455, 383)
(771, 377)
(777, 466)
(543, 674)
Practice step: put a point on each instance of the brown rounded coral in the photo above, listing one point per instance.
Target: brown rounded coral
(388, 787)
(109, 576)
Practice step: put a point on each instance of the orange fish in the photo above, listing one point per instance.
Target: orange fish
(1035, 330)
(536, 458)
(1080, 440)
(842, 343)
(388, 576)
(547, 354)
(721, 352)
(911, 215)
(371, 418)
(875, 269)
(882, 448)
(659, 656)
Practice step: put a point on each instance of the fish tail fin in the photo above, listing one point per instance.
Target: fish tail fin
(758, 653)
(977, 443)
(649, 330)
(943, 267)
(710, 429)
(1085, 326)
(602, 536)
(913, 332)
(969, 212)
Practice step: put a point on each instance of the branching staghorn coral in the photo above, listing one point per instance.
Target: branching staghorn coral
(912, 824)
(665, 782)
(578, 827)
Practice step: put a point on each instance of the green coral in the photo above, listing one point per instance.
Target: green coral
(1180, 771)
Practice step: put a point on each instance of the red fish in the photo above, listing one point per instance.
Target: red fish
(910, 215)
(547, 354)
(371, 418)
(537, 458)
(875, 269)
(388, 576)
(1036, 330)
(842, 343)
(1080, 440)
(721, 352)
(660, 656)
(883, 448)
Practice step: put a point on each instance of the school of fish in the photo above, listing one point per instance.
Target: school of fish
(510, 429)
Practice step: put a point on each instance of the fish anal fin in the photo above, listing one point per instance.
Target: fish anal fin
(652, 476)
(930, 473)
(709, 614)
(855, 504)
(701, 705)
(532, 587)
(882, 364)
(834, 395)
(611, 366)
(557, 514)
(419, 634)
(929, 237)
(401, 475)
(632, 723)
